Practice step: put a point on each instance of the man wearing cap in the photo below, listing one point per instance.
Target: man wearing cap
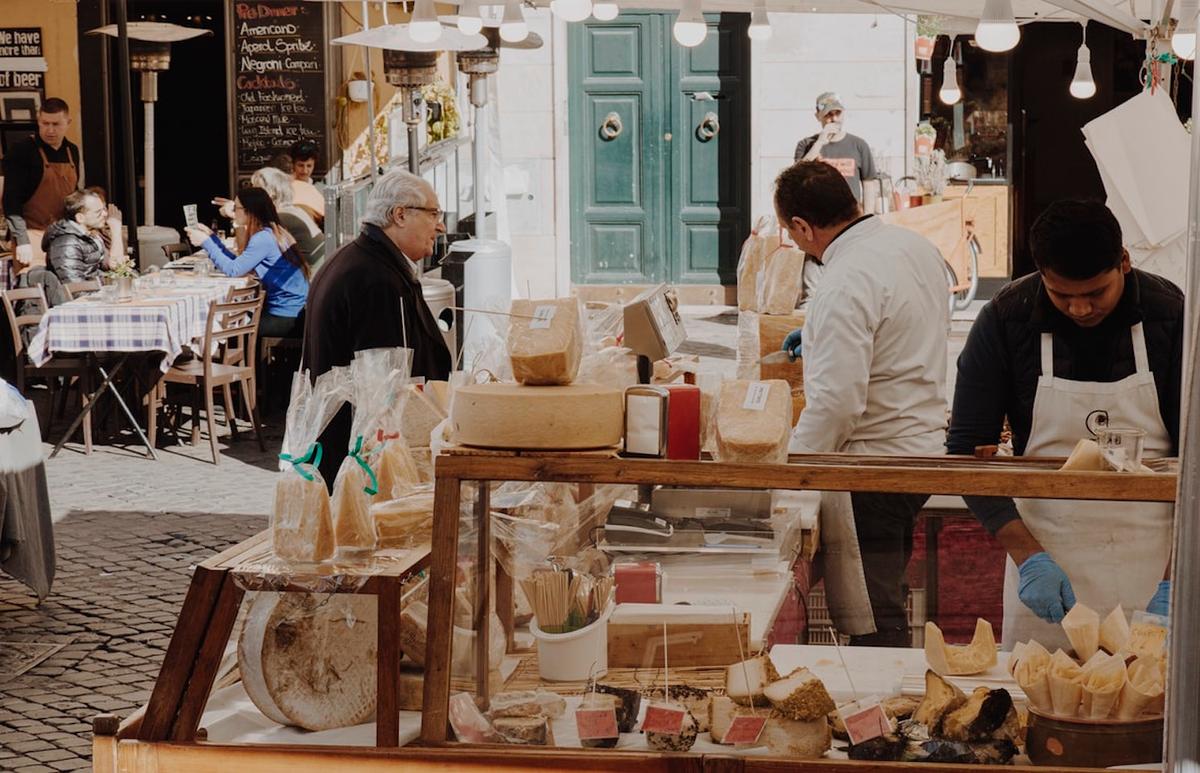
(847, 153)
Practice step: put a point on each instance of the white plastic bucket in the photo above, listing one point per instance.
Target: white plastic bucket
(574, 656)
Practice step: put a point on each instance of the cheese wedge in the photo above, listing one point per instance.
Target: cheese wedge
(1085, 458)
(353, 529)
(797, 739)
(405, 521)
(953, 660)
(395, 470)
(545, 341)
(800, 696)
(301, 523)
(746, 681)
(754, 421)
(782, 281)
(511, 416)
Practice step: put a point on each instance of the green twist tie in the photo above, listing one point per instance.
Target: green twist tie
(311, 457)
(356, 455)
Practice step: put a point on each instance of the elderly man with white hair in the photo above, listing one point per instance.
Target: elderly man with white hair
(369, 295)
(310, 239)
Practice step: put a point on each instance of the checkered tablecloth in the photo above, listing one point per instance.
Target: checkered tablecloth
(161, 319)
(7, 277)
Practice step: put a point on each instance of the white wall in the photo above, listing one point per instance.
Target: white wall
(865, 58)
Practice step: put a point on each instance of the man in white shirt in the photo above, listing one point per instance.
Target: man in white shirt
(874, 346)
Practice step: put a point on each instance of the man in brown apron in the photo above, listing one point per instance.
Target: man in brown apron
(38, 174)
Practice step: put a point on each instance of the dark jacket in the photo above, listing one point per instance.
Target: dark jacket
(999, 367)
(72, 252)
(356, 303)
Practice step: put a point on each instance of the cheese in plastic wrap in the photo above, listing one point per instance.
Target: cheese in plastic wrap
(753, 421)
(545, 341)
(405, 521)
(782, 281)
(351, 501)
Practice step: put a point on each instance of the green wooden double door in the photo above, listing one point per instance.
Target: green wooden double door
(660, 151)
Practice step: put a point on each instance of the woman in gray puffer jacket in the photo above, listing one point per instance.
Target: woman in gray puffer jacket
(73, 247)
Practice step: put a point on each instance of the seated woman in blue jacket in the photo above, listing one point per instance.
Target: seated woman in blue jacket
(267, 249)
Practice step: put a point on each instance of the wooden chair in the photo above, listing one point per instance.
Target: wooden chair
(234, 355)
(177, 250)
(229, 325)
(78, 368)
(75, 289)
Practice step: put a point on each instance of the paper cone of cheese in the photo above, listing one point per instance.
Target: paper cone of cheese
(1142, 691)
(800, 696)
(1032, 676)
(545, 341)
(1102, 688)
(1014, 657)
(754, 421)
(782, 280)
(395, 468)
(953, 660)
(1065, 689)
(310, 660)
(1082, 627)
(1114, 631)
(406, 521)
(301, 523)
(353, 530)
(1085, 458)
(510, 416)
(797, 739)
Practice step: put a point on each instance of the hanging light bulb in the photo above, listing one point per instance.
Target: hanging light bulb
(690, 29)
(997, 30)
(470, 22)
(1083, 85)
(572, 10)
(1183, 42)
(760, 25)
(605, 11)
(424, 26)
(950, 92)
(513, 28)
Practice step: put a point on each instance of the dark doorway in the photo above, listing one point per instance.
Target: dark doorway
(1050, 160)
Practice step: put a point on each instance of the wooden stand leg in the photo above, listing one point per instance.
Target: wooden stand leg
(387, 714)
(208, 661)
(505, 604)
(483, 595)
(443, 562)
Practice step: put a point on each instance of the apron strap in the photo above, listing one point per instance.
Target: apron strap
(1138, 332)
(1047, 355)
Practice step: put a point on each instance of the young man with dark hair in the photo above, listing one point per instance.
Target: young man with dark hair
(1085, 343)
(849, 154)
(39, 172)
(306, 195)
(874, 345)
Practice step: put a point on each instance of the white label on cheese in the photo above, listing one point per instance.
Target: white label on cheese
(756, 396)
(712, 512)
(542, 316)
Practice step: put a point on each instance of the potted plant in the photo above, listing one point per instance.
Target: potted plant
(928, 28)
(122, 275)
(930, 172)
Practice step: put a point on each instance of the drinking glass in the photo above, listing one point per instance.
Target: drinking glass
(1121, 447)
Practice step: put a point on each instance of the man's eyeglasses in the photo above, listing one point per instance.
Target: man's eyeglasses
(435, 211)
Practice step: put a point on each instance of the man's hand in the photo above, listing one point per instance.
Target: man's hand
(1045, 589)
(793, 344)
(24, 253)
(1160, 604)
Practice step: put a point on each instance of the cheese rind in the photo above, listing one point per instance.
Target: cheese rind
(800, 696)
(511, 416)
(750, 435)
(545, 346)
(301, 524)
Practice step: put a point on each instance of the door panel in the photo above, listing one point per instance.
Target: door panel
(664, 199)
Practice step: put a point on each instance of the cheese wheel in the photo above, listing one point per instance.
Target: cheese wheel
(545, 341)
(310, 660)
(574, 417)
(301, 526)
(753, 430)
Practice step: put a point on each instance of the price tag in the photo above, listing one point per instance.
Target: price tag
(713, 512)
(663, 719)
(189, 215)
(756, 396)
(865, 720)
(744, 730)
(596, 723)
(542, 316)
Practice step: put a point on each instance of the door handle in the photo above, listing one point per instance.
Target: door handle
(611, 128)
(710, 127)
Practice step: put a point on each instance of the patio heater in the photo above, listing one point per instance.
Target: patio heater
(149, 54)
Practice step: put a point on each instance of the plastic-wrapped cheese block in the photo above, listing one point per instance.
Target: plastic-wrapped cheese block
(405, 521)
(353, 529)
(301, 526)
(395, 469)
(781, 282)
(753, 421)
(310, 661)
(545, 341)
(412, 641)
(423, 412)
(511, 416)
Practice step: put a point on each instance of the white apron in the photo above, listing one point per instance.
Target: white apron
(1112, 552)
(840, 558)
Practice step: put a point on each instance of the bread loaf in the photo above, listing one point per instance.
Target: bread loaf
(545, 341)
(301, 525)
(754, 421)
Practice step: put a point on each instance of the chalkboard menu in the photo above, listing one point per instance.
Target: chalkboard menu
(279, 87)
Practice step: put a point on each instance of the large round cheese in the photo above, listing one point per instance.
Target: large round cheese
(309, 660)
(511, 416)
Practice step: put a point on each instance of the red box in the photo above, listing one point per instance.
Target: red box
(639, 583)
(683, 421)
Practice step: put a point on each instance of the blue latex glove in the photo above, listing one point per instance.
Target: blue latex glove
(1161, 603)
(792, 344)
(1044, 588)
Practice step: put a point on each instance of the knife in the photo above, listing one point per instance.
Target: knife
(775, 358)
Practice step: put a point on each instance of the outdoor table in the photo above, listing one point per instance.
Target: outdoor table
(26, 533)
(164, 318)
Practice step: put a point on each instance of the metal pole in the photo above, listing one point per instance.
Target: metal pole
(1182, 733)
(149, 86)
(130, 199)
(478, 149)
(366, 24)
(412, 119)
